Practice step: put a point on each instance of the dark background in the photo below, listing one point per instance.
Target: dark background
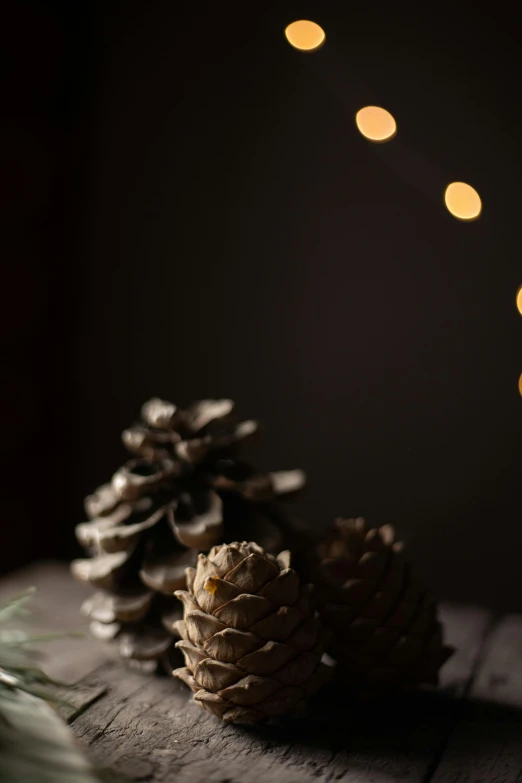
(190, 211)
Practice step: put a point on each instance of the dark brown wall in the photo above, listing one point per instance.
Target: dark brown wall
(46, 60)
(240, 238)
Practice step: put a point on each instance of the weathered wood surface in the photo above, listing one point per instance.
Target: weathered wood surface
(486, 745)
(147, 727)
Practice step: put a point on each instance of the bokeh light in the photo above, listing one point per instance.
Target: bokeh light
(304, 35)
(376, 123)
(520, 385)
(463, 201)
(519, 300)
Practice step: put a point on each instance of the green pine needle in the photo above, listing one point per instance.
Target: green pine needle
(15, 607)
(36, 746)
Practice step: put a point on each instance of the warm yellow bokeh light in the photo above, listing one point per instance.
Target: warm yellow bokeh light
(305, 35)
(463, 201)
(519, 300)
(520, 385)
(376, 124)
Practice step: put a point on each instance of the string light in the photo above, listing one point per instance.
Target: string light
(376, 123)
(463, 201)
(520, 385)
(519, 300)
(304, 35)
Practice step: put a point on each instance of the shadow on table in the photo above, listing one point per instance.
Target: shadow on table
(406, 723)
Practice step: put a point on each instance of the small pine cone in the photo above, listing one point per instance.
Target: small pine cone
(385, 630)
(251, 640)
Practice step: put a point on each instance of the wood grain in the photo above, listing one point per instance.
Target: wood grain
(147, 727)
(499, 678)
(486, 745)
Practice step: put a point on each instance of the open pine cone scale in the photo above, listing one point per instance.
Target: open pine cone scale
(183, 491)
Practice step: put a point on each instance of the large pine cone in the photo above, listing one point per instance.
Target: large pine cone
(183, 491)
(385, 631)
(251, 640)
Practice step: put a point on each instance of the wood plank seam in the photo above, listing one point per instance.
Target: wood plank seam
(488, 633)
(80, 711)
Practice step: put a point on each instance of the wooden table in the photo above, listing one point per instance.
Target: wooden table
(470, 731)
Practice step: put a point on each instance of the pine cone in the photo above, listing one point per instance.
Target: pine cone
(385, 631)
(251, 641)
(183, 491)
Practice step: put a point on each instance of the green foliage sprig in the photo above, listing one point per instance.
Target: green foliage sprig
(36, 746)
